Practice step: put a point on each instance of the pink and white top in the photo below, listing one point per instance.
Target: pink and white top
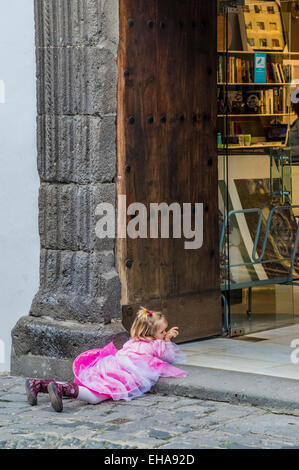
(129, 372)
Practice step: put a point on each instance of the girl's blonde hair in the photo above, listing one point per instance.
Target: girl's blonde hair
(145, 324)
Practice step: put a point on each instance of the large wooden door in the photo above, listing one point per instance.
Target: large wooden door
(167, 153)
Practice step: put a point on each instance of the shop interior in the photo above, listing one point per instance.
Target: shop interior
(258, 164)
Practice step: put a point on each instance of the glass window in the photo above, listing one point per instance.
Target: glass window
(258, 162)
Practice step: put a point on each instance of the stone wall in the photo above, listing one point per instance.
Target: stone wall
(78, 304)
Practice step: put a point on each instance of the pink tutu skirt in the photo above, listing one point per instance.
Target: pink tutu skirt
(119, 377)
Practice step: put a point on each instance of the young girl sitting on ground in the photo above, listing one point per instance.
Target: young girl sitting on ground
(100, 374)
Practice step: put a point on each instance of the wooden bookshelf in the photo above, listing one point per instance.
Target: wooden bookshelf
(269, 101)
(252, 146)
(294, 54)
(256, 84)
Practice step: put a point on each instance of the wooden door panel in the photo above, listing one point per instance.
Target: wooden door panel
(167, 153)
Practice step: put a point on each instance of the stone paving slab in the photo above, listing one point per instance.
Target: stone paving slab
(153, 421)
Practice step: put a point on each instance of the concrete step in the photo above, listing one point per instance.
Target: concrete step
(273, 393)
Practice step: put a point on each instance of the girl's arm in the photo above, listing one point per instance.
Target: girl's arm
(172, 333)
(168, 351)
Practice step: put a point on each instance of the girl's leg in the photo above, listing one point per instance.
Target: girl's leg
(86, 395)
(90, 397)
(59, 390)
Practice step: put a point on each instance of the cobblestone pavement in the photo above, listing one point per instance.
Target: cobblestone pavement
(150, 422)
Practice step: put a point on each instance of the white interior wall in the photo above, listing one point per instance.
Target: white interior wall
(19, 182)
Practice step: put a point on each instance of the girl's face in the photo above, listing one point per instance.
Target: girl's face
(161, 329)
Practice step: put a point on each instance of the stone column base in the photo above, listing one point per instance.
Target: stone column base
(41, 367)
(46, 348)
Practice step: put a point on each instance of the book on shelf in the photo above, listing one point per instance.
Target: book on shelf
(253, 101)
(274, 101)
(235, 102)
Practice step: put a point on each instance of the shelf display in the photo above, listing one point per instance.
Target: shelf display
(261, 26)
(254, 82)
(240, 69)
(253, 108)
(246, 101)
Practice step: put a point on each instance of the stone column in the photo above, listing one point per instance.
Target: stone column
(77, 306)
